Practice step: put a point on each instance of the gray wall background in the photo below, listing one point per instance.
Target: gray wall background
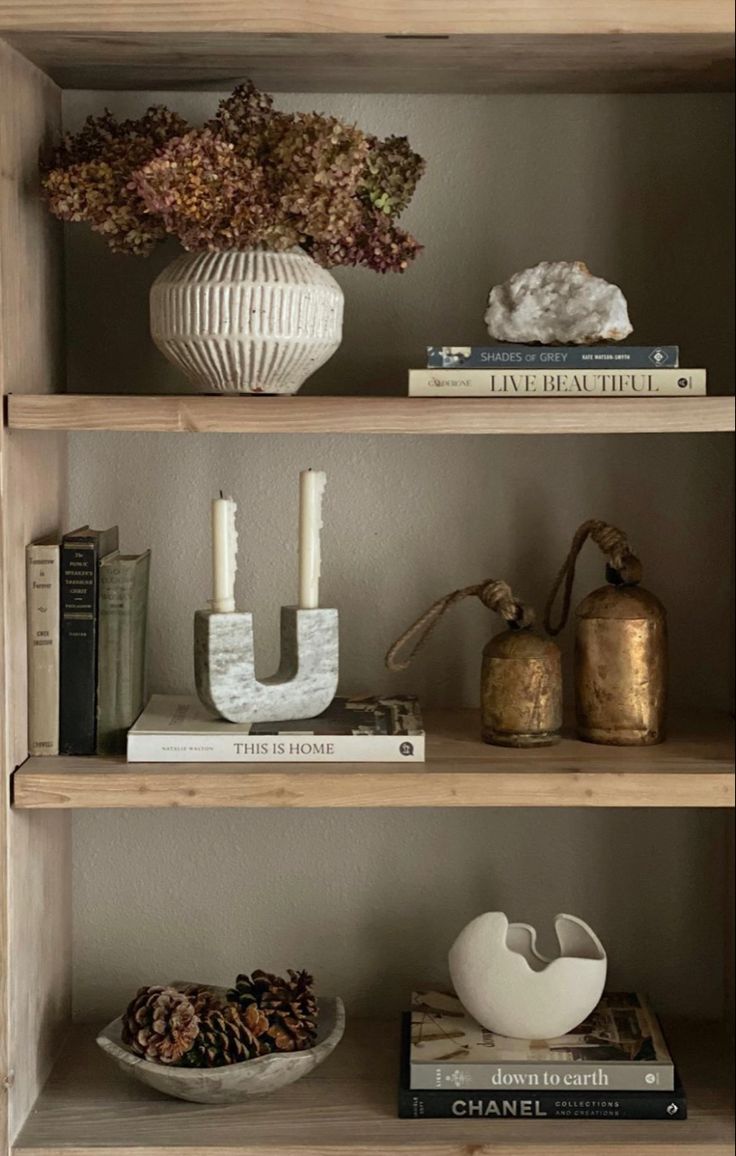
(640, 188)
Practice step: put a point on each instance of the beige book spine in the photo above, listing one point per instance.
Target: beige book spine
(42, 599)
(557, 383)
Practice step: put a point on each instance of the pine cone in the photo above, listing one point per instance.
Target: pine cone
(160, 1024)
(227, 1036)
(289, 1004)
(203, 999)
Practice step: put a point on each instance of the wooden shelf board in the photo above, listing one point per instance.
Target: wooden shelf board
(347, 1107)
(377, 54)
(694, 768)
(369, 415)
(413, 17)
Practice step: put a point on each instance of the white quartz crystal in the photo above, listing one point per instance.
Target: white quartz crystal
(557, 302)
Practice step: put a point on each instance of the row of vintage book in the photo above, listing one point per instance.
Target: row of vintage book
(87, 608)
(615, 1065)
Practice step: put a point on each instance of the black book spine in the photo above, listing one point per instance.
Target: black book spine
(78, 674)
(553, 357)
(429, 1105)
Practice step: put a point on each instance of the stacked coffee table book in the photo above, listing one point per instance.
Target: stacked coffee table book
(614, 1066)
(510, 370)
(361, 729)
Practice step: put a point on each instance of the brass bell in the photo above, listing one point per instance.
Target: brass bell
(521, 690)
(620, 647)
(521, 672)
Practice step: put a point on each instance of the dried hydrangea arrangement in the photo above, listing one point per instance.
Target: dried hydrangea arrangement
(90, 177)
(250, 176)
(194, 1026)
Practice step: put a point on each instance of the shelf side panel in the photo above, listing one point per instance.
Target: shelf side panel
(34, 870)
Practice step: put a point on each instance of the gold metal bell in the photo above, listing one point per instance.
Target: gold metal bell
(620, 647)
(521, 690)
(521, 674)
(621, 666)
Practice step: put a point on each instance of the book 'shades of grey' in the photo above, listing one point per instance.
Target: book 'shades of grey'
(553, 356)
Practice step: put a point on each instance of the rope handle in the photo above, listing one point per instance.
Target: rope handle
(624, 568)
(493, 593)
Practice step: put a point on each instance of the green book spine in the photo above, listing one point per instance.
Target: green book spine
(121, 648)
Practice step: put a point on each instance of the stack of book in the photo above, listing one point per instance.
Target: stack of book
(615, 1066)
(555, 371)
(87, 609)
(177, 728)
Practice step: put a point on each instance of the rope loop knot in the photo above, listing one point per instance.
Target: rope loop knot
(497, 595)
(623, 569)
(494, 593)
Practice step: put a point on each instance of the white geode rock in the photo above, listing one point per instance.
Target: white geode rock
(557, 303)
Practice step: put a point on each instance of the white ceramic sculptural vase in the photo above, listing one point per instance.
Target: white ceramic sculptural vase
(510, 988)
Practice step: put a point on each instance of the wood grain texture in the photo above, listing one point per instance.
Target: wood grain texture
(41, 952)
(35, 959)
(504, 62)
(30, 350)
(402, 415)
(347, 1107)
(693, 769)
(413, 17)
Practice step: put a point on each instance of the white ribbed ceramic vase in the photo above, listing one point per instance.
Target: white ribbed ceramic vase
(251, 321)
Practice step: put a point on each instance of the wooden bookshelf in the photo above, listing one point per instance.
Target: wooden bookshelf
(370, 415)
(347, 1107)
(89, 1108)
(693, 769)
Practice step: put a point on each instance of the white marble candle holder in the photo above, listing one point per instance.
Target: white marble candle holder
(304, 684)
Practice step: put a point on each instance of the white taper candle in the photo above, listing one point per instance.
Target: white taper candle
(311, 489)
(224, 554)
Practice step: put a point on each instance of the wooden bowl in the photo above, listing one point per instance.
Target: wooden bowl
(235, 1082)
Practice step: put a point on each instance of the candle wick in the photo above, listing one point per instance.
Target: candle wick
(221, 494)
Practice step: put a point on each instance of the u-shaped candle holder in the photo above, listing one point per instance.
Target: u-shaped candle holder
(304, 684)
